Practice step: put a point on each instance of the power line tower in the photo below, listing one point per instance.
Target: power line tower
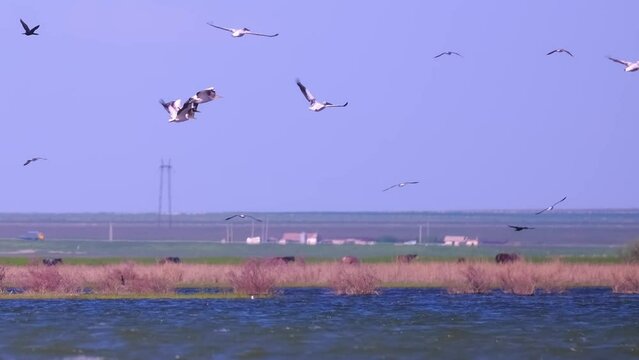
(165, 167)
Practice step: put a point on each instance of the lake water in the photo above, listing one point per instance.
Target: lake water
(315, 324)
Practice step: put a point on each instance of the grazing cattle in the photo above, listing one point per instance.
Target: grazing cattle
(282, 260)
(503, 258)
(170, 259)
(51, 261)
(405, 259)
(350, 260)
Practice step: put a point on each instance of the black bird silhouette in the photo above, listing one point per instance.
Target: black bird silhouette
(29, 31)
(243, 216)
(560, 50)
(32, 160)
(520, 228)
(551, 206)
(448, 53)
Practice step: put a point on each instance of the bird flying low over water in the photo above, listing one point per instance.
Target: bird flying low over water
(316, 105)
(32, 160)
(560, 50)
(402, 184)
(29, 31)
(520, 228)
(240, 32)
(448, 53)
(551, 206)
(243, 216)
(630, 66)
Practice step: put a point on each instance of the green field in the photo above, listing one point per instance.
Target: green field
(100, 252)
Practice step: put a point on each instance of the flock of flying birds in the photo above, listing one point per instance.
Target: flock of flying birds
(179, 112)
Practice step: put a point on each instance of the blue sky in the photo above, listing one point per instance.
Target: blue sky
(504, 127)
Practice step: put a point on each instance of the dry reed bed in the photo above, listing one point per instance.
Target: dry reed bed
(258, 277)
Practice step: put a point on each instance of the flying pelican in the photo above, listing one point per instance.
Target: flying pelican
(448, 53)
(204, 96)
(402, 184)
(243, 216)
(520, 228)
(560, 50)
(29, 31)
(32, 160)
(551, 206)
(630, 66)
(179, 113)
(316, 105)
(240, 32)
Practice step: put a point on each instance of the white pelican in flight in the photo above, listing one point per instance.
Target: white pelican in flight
(402, 184)
(559, 51)
(630, 66)
(316, 105)
(551, 206)
(204, 96)
(448, 53)
(29, 31)
(240, 32)
(179, 113)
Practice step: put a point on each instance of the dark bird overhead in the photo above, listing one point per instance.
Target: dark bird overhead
(551, 206)
(243, 216)
(448, 53)
(29, 31)
(402, 184)
(520, 228)
(560, 50)
(32, 160)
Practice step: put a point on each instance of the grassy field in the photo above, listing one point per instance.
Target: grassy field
(21, 252)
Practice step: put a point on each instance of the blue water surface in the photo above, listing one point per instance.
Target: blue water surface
(316, 324)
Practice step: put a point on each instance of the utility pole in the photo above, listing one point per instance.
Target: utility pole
(168, 168)
(420, 234)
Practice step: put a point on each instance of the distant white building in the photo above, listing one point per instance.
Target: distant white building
(253, 240)
(299, 238)
(456, 240)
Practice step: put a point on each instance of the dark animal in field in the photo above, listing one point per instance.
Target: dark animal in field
(170, 259)
(51, 261)
(503, 258)
(282, 260)
(350, 260)
(405, 259)
(461, 260)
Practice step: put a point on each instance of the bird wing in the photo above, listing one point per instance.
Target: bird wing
(456, 53)
(539, 212)
(333, 105)
(390, 187)
(254, 218)
(27, 162)
(513, 226)
(230, 217)
(24, 25)
(552, 52)
(219, 27)
(35, 28)
(439, 55)
(412, 182)
(258, 34)
(623, 62)
(560, 201)
(306, 92)
(569, 53)
(188, 105)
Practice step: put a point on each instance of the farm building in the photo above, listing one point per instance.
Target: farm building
(456, 240)
(299, 238)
